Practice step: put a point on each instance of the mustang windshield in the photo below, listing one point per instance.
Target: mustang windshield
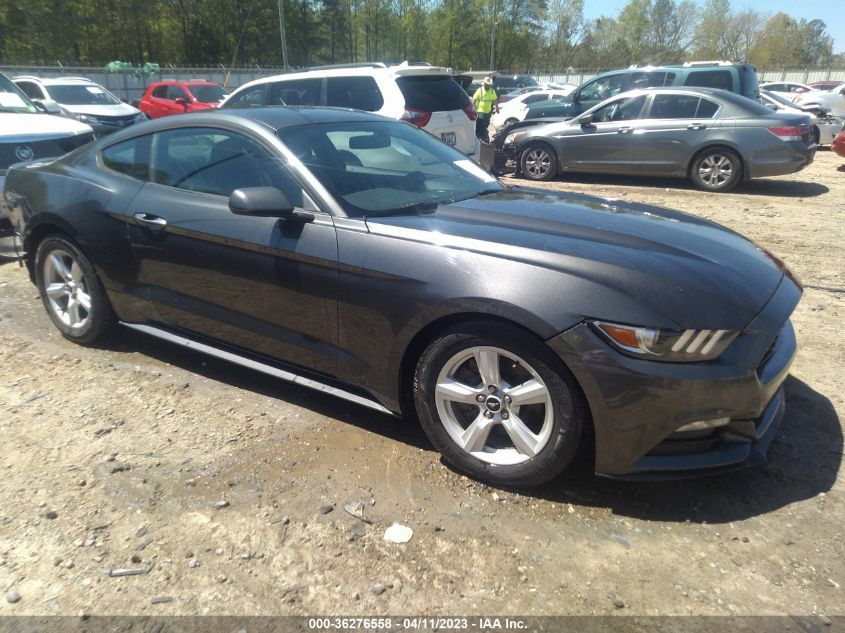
(378, 168)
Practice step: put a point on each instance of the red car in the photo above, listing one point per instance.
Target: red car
(838, 144)
(164, 98)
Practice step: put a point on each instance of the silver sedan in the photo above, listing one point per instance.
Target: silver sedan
(716, 138)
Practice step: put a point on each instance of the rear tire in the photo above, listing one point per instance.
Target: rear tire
(72, 294)
(524, 431)
(538, 162)
(717, 170)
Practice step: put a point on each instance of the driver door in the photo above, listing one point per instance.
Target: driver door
(263, 284)
(606, 144)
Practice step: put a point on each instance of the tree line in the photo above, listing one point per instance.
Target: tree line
(534, 36)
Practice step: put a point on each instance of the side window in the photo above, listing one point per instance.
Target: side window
(602, 88)
(255, 96)
(710, 79)
(535, 98)
(673, 107)
(620, 110)
(30, 89)
(296, 92)
(361, 93)
(653, 79)
(706, 109)
(215, 161)
(175, 92)
(160, 92)
(130, 157)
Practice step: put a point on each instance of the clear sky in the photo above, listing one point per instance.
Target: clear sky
(832, 12)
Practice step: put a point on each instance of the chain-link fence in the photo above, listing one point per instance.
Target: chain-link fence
(129, 87)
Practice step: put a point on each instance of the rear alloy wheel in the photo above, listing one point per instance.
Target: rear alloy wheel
(538, 162)
(716, 170)
(71, 292)
(490, 401)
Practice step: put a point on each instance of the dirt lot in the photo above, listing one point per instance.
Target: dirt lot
(117, 458)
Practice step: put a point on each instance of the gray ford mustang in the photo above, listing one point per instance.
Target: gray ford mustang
(364, 258)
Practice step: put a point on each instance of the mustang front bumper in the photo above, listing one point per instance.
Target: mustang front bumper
(638, 406)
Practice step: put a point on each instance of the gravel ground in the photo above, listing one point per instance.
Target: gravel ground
(226, 489)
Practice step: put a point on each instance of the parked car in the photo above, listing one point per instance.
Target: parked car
(714, 137)
(503, 84)
(826, 86)
(831, 100)
(515, 109)
(838, 144)
(83, 99)
(738, 78)
(825, 126)
(27, 134)
(163, 98)
(366, 259)
(788, 89)
(425, 96)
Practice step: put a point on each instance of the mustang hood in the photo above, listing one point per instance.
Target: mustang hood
(684, 271)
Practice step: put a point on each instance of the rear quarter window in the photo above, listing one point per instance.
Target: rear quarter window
(131, 158)
(722, 79)
(432, 93)
(360, 93)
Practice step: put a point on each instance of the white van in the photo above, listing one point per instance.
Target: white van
(426, 96)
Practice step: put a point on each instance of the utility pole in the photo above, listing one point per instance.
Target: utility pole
(282, 34)
(493, 40)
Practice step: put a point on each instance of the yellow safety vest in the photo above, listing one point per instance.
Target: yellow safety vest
(483, 100)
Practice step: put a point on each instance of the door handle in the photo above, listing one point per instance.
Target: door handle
(623, 130)
(151, 220)
(696, 126)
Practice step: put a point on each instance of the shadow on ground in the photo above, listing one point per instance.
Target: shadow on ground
(756, 187)
(407, 432)
(804, 460)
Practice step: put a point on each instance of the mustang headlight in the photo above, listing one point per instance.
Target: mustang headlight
(673, 346)
(513, 138)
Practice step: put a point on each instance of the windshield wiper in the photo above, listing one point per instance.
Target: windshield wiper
(413, 207)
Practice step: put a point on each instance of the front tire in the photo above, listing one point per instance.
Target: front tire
(498, 405)
(716, 170)
(538, 162)
(71, 291)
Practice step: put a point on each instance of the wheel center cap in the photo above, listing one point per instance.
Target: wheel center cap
(493, 404)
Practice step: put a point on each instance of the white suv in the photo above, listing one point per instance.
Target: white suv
(83, 99)
(426, 96)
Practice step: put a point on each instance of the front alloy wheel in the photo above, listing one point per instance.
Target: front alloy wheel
(498, 405)
(538, 162)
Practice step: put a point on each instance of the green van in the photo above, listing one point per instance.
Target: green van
(739, 78)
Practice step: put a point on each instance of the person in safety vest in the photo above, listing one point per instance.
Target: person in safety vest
(484, 100)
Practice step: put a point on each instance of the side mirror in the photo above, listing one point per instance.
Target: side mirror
(180, 101)
(586, 120)
(51, 106)
(576, 96)
(772, 106)
(265, 202)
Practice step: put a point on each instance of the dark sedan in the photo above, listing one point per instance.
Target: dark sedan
(716, 138)
(364, 258)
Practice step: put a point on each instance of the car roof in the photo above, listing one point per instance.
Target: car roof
(56, 81)
(400, 70)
